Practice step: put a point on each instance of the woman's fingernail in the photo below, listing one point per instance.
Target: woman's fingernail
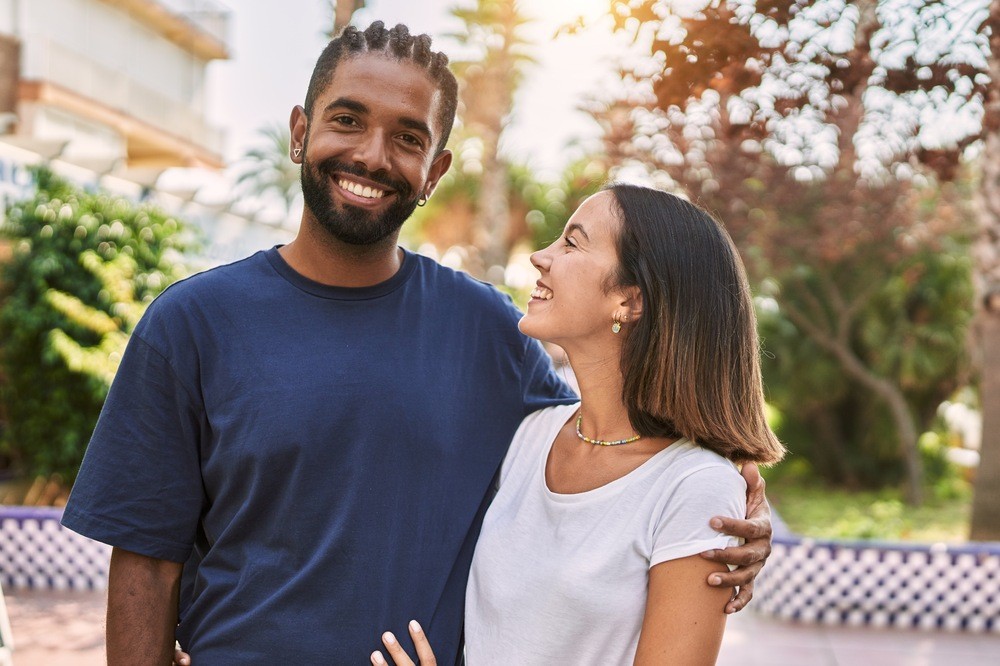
(389, 638)
(714, 580)
(715, 523)
(414, 625)
(377, 657)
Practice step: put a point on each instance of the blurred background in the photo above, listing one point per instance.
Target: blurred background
(851, 148)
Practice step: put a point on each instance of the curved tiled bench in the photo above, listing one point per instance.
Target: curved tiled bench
(939, 586)
(37, 552)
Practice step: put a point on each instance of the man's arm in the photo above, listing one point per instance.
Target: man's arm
(750, 557)
(142, 609)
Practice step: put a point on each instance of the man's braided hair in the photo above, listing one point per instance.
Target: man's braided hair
(396, 43)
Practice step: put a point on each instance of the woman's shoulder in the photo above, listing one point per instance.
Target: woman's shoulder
(692, 465)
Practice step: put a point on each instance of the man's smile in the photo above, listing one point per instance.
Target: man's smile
(360, 189)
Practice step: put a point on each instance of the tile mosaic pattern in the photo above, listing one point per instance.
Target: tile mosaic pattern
(882, 585)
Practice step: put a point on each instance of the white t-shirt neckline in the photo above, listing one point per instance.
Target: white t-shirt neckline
(609, 488)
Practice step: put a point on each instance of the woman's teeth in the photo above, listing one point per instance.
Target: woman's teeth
(541, 293)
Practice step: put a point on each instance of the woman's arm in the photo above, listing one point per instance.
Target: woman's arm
(684, 617)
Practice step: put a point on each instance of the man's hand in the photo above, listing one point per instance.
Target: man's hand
(750, 557)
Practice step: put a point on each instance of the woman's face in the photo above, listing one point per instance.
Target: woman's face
(569, 305)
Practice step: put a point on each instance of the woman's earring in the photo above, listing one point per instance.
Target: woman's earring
(617, 326)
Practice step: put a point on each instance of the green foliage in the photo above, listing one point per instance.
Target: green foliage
(912, 331)
(812, 508)
(84, 266)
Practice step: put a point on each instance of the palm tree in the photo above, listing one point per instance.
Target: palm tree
(488, 81)
(267, 172)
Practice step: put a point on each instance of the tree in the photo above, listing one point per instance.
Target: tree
(83, 266)
(343, 11)
(488, 81)
(266, 172)
(800, 101)
(986, 502)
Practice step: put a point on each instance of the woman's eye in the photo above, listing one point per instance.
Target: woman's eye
(569, 242)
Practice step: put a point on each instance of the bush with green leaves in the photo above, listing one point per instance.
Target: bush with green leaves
(84, 265)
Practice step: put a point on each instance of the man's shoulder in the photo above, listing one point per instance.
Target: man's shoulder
(212, 284)
(460, 285)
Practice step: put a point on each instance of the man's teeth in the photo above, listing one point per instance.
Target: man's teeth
(361, 190)
(541, 293)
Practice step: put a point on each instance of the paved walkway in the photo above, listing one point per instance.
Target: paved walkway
(65, 629)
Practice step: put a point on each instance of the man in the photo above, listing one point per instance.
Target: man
(313, 430)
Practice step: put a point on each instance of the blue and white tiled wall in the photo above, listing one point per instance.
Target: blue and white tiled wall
(879, 585)
(882, 585)
(37, 552)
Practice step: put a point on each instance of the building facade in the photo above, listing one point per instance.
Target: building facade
(112, 93)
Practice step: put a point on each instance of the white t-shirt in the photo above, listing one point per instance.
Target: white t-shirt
(562, 579)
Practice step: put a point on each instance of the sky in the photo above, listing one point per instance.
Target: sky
(275, 45)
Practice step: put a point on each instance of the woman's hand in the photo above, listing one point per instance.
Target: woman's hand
(425, 655)
(181, 658)
(756, 532)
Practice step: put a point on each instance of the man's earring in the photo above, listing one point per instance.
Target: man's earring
(422, 201)
(297, 152)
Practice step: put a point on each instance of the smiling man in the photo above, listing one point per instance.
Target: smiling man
(298, 448)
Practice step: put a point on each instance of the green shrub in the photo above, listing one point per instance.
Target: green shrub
(84, 265)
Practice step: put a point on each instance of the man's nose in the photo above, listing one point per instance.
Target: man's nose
(371, 152)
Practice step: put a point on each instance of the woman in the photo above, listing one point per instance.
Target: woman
(588, 553)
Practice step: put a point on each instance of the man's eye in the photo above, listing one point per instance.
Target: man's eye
(345, 120)
(410, 139)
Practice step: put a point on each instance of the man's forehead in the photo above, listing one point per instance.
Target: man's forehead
(375, 73)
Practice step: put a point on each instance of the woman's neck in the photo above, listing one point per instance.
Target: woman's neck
(604, 414)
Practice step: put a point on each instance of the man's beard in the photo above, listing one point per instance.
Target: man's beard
(352, 224)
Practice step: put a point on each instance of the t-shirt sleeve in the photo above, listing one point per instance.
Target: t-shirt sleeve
(540, 385)
(139, 486)
(682, 527)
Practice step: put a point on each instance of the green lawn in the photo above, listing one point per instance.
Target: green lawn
(812, 509)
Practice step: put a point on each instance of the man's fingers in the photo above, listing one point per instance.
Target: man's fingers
(757, 528)
(424, 652)
(740, 601)
(739, 578)
(739, 556)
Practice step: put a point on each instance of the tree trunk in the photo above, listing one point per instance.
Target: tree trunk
(986, 326)
(888, 392)
(493, 214)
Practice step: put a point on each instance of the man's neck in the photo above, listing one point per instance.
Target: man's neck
(321, 258)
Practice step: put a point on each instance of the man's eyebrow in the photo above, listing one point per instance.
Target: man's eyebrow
(346, 103)
(414, 124)
(576, 227)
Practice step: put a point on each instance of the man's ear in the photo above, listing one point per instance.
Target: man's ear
(439, 167)
(298, 124)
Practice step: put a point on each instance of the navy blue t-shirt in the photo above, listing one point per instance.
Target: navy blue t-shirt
(319, 456)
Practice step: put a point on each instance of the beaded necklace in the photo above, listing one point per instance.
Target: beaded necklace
(601, 442)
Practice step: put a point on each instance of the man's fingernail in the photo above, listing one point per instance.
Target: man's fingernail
(415, 626)
(714, 580)
(389, 638)
(715, 523)
(377, 657)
